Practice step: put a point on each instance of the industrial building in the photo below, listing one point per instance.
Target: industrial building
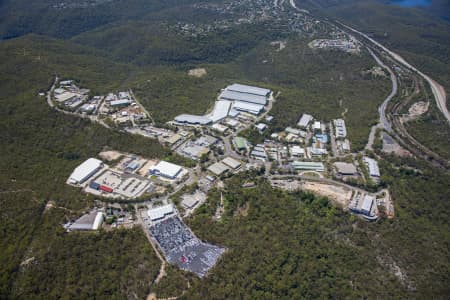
(240, 143)
(345, 168)
(316, 152)
(304, 121)
(220, 112)
(195, 151)
(317, 126)
(218, 168)
(90, 221)
(243, 97)
(372, 166)
(161, 212)
(120, 103)
(259, 152)
(248, 89)
(192, 119)
(261, 127)
(308, 165)
(322, 138)
(363, 204)
(297, 151)
(252, 108)
(85, 171)
(166, 169)
(232, 163)
(65, 96)
(220, 128)
(340, 129)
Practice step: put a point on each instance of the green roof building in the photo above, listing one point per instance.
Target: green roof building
(308, 165)
(240, 143)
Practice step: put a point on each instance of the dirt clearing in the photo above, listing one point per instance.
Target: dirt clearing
(199, 72)
(110, 155)
(339, 195)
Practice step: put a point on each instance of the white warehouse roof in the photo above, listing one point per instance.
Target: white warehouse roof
(85, 170)
(221, 109)
(304, 120)
(231, 162)
(367, 204)
(236, 96)
(248, 89)
(192, 119)
(248, 107)
(120, 102)
(160, 212)
(372, 165)
(167, 169)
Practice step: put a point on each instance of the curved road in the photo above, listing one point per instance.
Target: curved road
(382, 109)
(438, 91)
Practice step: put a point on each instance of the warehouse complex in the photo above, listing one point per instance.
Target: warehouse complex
(231, 101)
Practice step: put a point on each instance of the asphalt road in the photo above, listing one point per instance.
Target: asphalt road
(438, 91)
(382, 109)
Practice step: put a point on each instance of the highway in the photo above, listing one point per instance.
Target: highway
(438, 91)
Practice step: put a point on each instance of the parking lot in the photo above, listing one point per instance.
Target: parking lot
(182, 248)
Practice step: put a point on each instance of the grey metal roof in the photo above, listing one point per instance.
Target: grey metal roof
(192, 119)
(304, 120)
(241, 88)
(248, 107)
(236, 96)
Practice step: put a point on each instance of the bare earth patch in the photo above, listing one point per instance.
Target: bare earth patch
(199, 72)
(110, 155)
(338, 195)
(418, 109)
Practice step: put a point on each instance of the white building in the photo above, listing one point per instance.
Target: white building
(232, 163)
(161, 212)
(340, 129)
(366, 206)
(90, 221)
(372, 165)
(166, 169)
(220, 112)
(304, 120)
(261, 127)
(252, 108)
(297, 151)
(85, 171)
(317, 126)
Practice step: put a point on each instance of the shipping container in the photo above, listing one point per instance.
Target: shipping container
(94, 185)
(106, 189)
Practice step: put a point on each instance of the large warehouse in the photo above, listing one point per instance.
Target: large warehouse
(159, 213)
(192, 119)
(90, 221)
(245, 94)
(236, 96)
(220, 112)
(166, 169)
(248, 107)
(248, 89)
(85, 171)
